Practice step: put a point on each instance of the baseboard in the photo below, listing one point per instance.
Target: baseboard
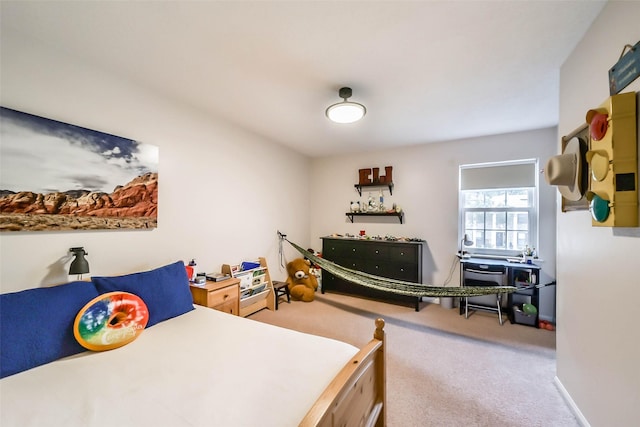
(572, 405)
(547, 318)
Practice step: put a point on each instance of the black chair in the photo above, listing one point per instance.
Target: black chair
(281, 289)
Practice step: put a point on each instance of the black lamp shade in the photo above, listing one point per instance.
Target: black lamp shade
(79, 264)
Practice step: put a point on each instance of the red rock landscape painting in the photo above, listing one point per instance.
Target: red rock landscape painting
(57, 176)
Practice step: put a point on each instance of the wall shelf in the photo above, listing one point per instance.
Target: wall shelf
(400, 215)
(389, 185)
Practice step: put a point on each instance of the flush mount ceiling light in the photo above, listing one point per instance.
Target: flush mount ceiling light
(345, 111)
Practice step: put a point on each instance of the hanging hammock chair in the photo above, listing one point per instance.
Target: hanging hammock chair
(399, 287)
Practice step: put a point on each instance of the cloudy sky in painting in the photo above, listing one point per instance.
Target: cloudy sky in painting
(44, 156)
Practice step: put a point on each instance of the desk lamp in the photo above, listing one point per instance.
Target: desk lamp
(79, 265)
(466, 241)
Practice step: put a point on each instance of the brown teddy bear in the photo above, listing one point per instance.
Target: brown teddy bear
(302, 285)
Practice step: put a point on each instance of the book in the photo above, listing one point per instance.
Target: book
(217, 277)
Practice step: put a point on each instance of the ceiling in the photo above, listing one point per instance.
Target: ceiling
(427, 71)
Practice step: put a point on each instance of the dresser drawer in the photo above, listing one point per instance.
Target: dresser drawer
(354, 264)
(335, 249)
(406, 272)
(339, 250)
(376, 252)
(393, 270)
(408, 254)
(221, 296)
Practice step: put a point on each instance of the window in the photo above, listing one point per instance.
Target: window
(499, 207)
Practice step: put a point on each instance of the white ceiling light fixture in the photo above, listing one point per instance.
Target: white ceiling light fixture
(345, 111)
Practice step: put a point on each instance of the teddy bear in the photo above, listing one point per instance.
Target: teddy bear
(302, 285)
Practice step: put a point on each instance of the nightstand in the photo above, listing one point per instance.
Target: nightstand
(221, 296)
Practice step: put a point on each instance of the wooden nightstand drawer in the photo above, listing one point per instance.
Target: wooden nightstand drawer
(229, 306)
(222, 296)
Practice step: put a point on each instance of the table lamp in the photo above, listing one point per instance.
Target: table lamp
(466, 241)
(79, 265)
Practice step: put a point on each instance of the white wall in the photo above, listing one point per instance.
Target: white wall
(426, 187)
(598, 337)
(223, 193)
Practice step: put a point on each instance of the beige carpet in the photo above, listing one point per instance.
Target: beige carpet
(443, 369)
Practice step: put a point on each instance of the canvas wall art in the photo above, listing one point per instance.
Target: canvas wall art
(58, 176)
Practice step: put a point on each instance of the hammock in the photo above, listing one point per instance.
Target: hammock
(399, 287)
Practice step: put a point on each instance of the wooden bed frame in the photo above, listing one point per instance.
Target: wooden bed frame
(357, 395)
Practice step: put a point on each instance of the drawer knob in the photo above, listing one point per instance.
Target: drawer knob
(401, 253)
(377, 252)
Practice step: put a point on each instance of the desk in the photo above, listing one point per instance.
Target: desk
(494, 272)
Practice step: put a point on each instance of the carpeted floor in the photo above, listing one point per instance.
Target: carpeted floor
(443, 369)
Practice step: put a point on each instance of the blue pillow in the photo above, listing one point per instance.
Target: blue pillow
(36, 325)
(164, 290)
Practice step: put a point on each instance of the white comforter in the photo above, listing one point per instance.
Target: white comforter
(204, 368)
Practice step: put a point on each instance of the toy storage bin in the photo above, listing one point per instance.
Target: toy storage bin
(522, 317)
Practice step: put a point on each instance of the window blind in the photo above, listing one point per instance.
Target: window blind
(498, 176)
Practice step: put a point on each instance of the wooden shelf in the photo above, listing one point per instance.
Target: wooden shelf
(256, 288)
(389, 185)
(400, 215)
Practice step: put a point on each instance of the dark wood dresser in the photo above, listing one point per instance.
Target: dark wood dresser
(392, 259)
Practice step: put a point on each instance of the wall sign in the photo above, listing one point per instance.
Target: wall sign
(372, 176)
(626, 70)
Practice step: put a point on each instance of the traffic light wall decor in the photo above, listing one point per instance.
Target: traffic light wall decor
(613, 162)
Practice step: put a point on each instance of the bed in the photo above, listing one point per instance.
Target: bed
(200, 367)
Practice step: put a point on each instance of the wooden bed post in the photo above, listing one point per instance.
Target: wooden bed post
(381, 376)
(271, 297)
(357, 395)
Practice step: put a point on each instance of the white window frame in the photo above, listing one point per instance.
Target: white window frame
(533, 214)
